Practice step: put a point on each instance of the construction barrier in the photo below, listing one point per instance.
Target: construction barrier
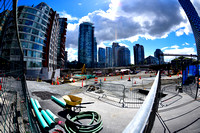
(96, 80)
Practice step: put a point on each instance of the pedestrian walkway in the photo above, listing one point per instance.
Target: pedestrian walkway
(181, 116)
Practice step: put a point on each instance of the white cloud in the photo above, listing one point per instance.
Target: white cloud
(72, 27)
(177, 50)
(185, 44)
(180, 32)
(175, 46)
(102, 45)
(79, 4)
(72, 54)
(164, 48)
(68, 16)
(122, 44)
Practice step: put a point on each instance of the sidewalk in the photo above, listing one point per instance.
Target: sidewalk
(181, 116)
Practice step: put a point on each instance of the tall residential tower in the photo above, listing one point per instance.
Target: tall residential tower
(87, 45)
(115, 47)
(123, 56)
(138, 54)
(38, 32)
(108, 57)
(157, 54)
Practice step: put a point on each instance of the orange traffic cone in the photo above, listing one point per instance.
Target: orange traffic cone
(52, 83)
(57, 81)
(121, 76)
(129, 79)
(105, 79)
(73, 81)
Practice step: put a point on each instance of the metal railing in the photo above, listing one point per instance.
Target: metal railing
(144, 119)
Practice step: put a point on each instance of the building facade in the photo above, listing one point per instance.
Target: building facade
(150, 60)
(158, 54)
(115, 47)
(38, 32)
(123, 56)
(102, 57)
(108, 57)
(138, 54)
(66, 59)
(194, 21)
(61, 43)
(87, 45)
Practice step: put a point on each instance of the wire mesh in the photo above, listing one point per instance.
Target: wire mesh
(15, 111)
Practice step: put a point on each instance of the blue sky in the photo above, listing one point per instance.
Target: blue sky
(154, 24)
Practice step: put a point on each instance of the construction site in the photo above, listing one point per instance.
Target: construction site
(108, 100)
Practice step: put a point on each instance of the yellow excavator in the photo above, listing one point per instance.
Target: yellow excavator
(83, 70)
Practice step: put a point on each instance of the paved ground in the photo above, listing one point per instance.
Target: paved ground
(182, 116)
(179, 113)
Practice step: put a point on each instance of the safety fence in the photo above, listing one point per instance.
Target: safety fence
(144, 119)
(15, 108)
(191, 80)
(117, 94)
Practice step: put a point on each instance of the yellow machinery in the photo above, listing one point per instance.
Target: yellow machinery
(83, 70)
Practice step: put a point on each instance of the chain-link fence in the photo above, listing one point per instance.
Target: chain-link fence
(15, 108)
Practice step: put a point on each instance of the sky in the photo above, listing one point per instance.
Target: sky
(155, 24)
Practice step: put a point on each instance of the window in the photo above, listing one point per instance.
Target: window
(35, 32)
(27, 22)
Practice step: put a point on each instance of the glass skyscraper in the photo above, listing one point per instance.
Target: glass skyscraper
(38, 32)
(115, 47)
(102, 57)
(157, 54)
(138, 54)
(194, 21)
(123, 56)
(87, 46)
(108, 57)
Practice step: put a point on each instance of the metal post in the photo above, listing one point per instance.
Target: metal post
(197, 80)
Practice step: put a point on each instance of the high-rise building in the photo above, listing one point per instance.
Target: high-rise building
(66, 58)
(95, 52)
(102, 57)
(115, 47)
(108, 57)
(152, 60)
(87, 45)
(194, 21)
(123, 56)
(61, 43)
(138, 54)
(38, 32)
(158, 54)
(4, 16)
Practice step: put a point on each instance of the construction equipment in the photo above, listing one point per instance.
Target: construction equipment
(83, 70)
